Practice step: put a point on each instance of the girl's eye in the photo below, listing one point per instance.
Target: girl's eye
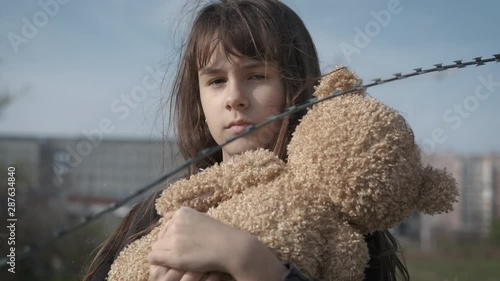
(258, 76)
(216, 82)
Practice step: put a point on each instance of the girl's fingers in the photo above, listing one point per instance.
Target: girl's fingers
(166, 218)
(158, 257)
(192, 276)
(156, 272)
(168, 215)
(214, 276)
(173, 275)
(163, 230)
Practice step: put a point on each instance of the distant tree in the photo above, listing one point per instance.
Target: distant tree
(7, 95)
(495, 231)
(39, 214)
(5, 99)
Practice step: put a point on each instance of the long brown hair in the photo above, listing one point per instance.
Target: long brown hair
(266, 30)
(263, 30)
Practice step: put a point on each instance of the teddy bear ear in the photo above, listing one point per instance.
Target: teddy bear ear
(438, 191)
(339, 79)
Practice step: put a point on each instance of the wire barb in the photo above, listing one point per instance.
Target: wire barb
(439, 66)
(459, 63)
(479, 61)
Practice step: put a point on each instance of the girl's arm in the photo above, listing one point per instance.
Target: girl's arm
(193, 241)
(252, 260)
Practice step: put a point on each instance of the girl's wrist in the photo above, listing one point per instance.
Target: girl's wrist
(254, 261)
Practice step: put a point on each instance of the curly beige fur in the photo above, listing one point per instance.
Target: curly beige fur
(353, 168)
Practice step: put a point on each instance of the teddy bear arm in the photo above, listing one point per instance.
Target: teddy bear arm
(346, 254)
(132, 263)
(221, 182)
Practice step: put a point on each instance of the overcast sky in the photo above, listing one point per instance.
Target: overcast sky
(71, 64)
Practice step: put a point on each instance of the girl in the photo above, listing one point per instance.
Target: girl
(244, 60)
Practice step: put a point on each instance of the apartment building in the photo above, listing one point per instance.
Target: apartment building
(88, 175)
(478, 181)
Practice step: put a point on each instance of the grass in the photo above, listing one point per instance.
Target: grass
(459, 261)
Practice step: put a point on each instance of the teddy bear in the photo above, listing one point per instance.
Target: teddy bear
(353, 168)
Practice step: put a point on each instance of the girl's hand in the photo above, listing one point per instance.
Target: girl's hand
(195, 242)
(161, 273)
(165, 273)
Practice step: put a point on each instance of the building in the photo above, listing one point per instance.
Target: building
(449, 222)
(477, 198)
(88, 175)
(496, 186)
(23, 154)
(478, 204)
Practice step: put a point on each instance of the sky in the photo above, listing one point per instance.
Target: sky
(78, 68)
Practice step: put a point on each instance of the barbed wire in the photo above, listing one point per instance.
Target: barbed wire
(57, 234)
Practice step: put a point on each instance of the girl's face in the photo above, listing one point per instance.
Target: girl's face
(236, 93)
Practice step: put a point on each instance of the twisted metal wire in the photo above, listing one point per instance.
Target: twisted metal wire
(57, 234)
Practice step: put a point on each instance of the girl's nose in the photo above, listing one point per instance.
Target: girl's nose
(236, 98)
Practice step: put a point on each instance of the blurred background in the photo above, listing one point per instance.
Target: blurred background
(84, 116)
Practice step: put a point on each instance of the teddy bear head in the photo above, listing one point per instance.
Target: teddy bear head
(362, 154)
